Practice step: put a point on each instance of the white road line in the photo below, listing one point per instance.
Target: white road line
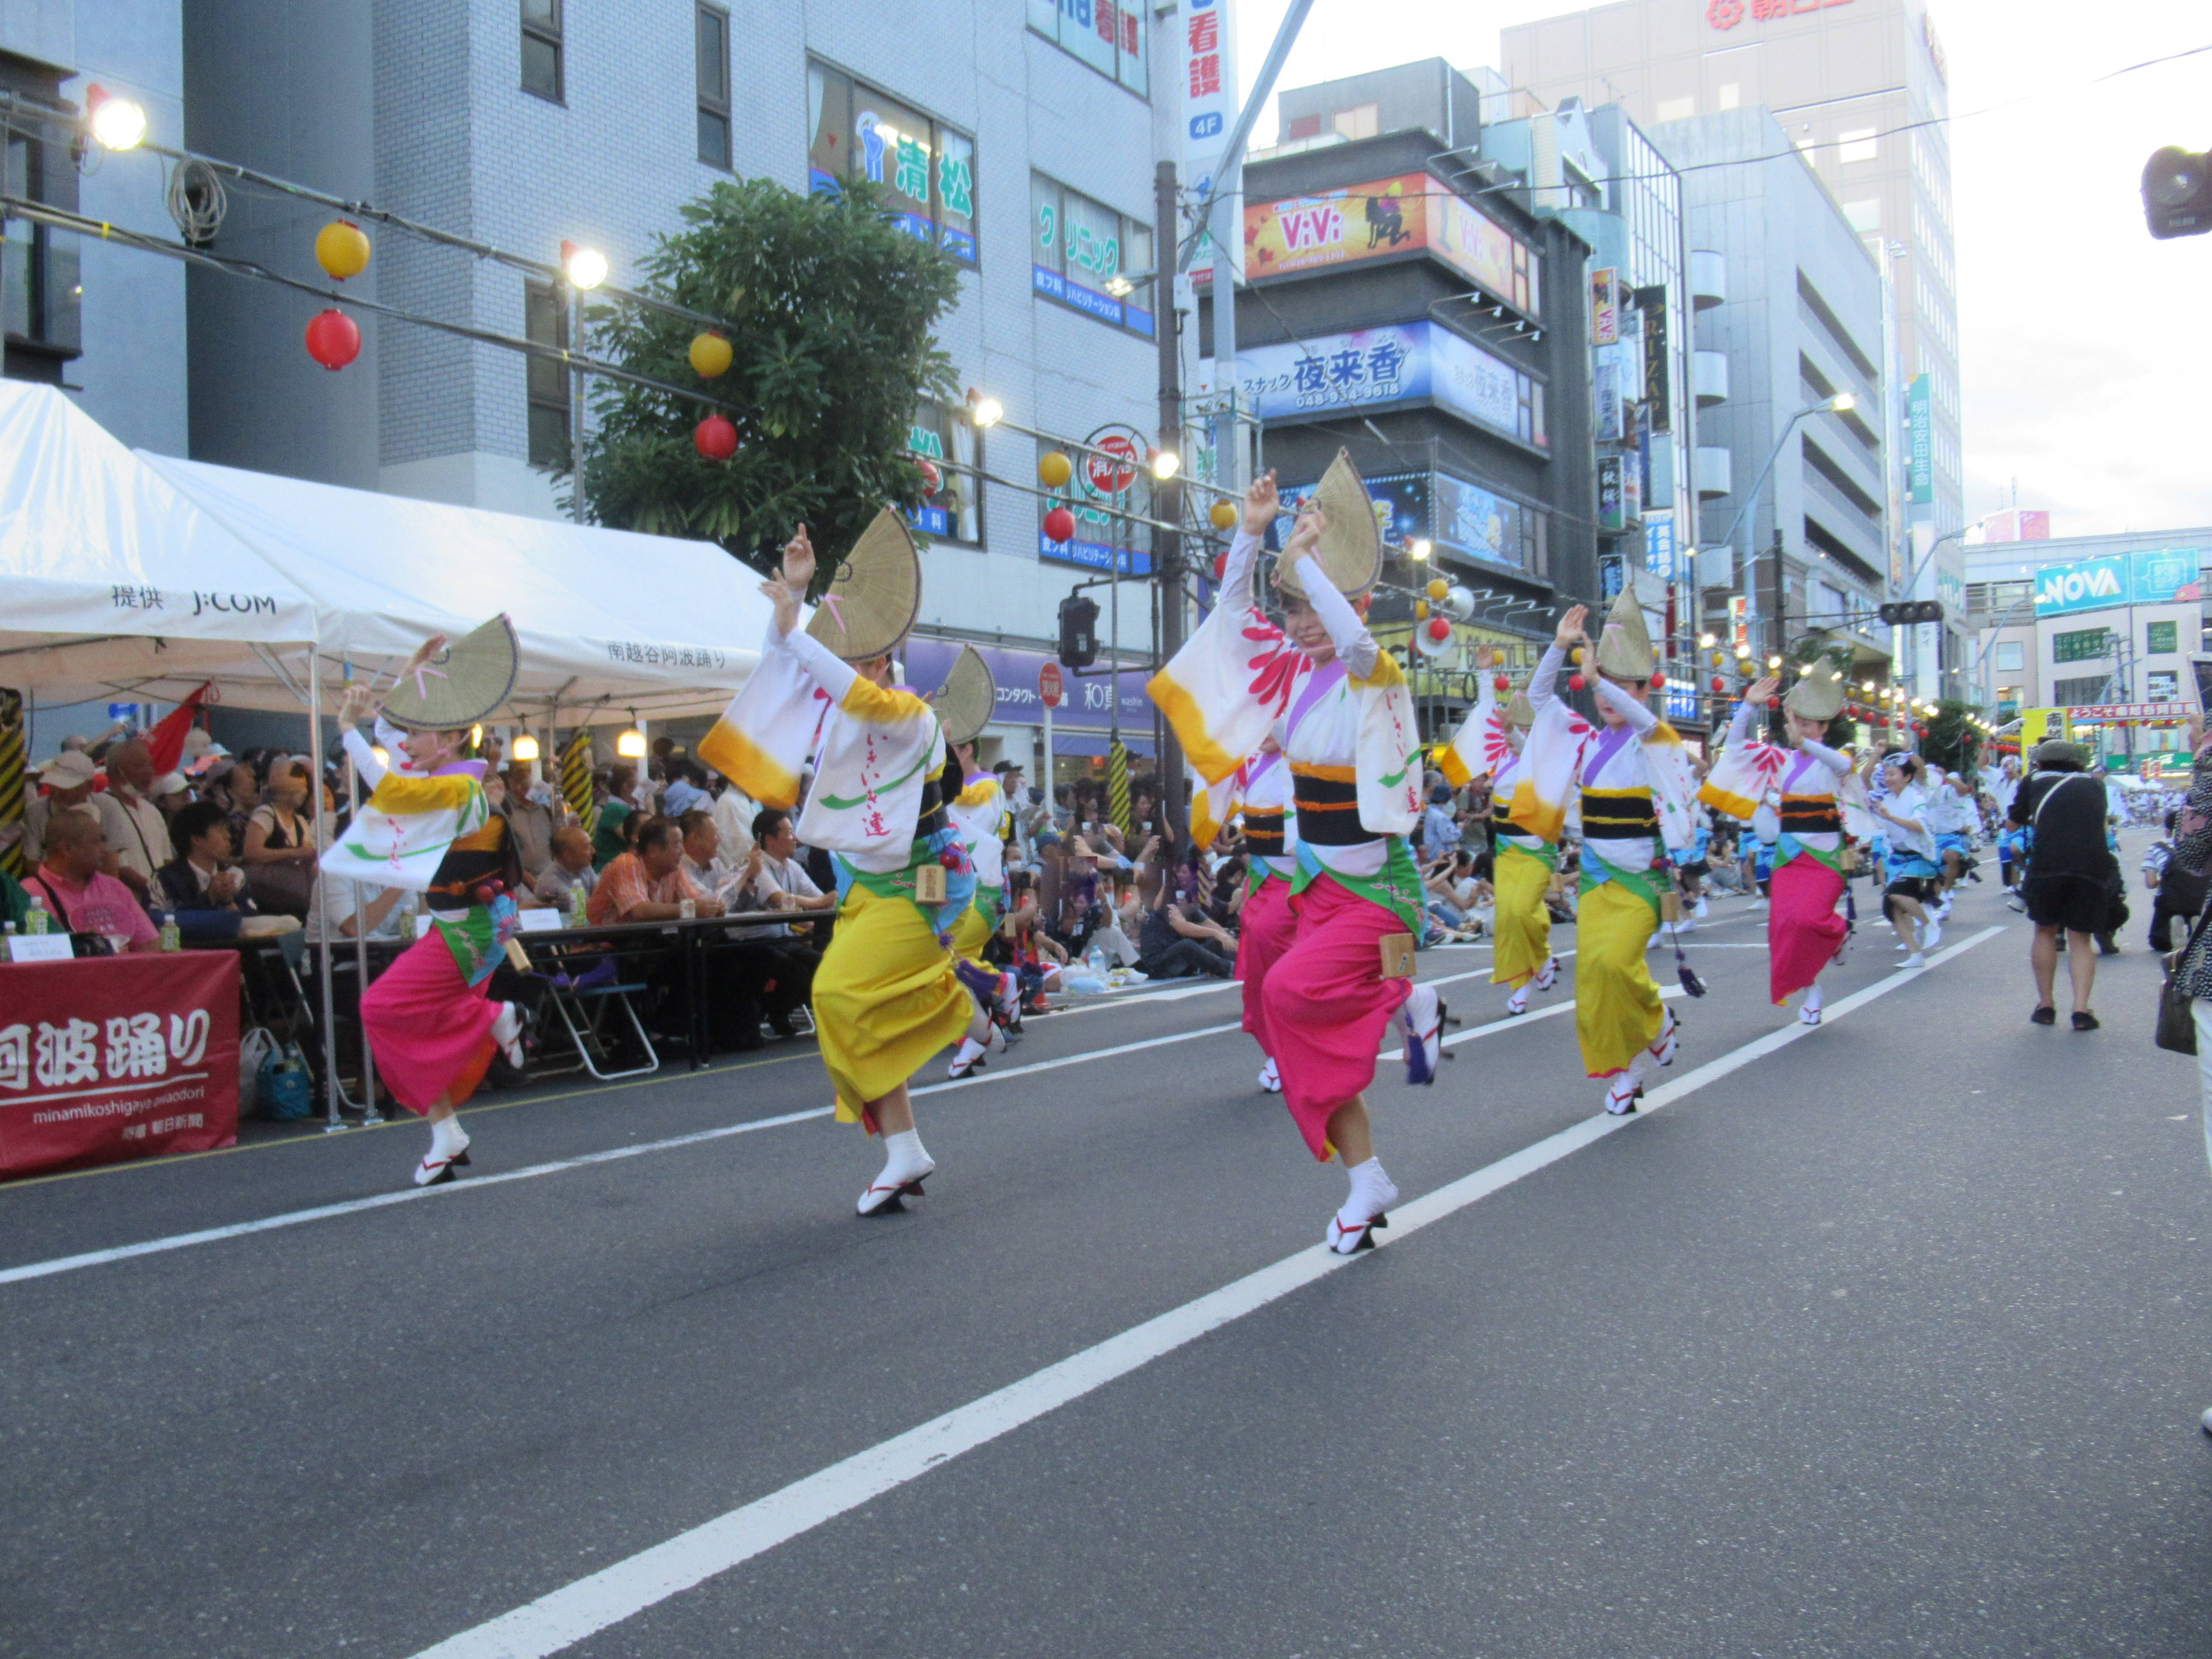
(478, 1183)
(576, 1611)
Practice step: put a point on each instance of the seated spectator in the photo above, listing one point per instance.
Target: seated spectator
(686, 791)
(79, 894)
(611, 787)
(69, 779)
(1079, 911)
(772, 879)
(648, 885)
(1454, 891)
(529, 820)
(1035, 957)
(570, 870)
(702, 861)
(205, 890)
(172, 793)
(1176, 941)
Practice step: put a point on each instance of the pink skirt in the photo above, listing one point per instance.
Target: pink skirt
(1803, 931)
(429, 1029)
(1326, 1003)
(1268, 929)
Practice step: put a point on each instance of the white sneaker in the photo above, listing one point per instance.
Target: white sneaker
(1270, 1078)
(1932, 934)
(1915, 960)
(1701, 905)
(1136, 977)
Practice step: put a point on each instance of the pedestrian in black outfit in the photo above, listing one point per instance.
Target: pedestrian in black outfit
(2073, 881)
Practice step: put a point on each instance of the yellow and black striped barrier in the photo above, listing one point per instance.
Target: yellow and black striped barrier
(14, 780)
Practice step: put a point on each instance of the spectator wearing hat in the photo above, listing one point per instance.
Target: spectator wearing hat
(2072, 878)
(172, 793)
(69, 778)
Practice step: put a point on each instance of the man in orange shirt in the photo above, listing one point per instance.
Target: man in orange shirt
(648, 885)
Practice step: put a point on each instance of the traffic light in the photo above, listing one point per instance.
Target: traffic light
(1905, 612)
(1078, 631)
(2177, 192)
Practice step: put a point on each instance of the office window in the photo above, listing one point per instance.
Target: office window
(1076, 246)
(715, 86)
(2012, 656)
(2162, 638)
(926, 169)
(541, 48)
(2162, 685)
(2076, 694)
(41, 297)
(1859, 145)
(545, 319)
(1113, 36)
(954, 512)
(2081, 645)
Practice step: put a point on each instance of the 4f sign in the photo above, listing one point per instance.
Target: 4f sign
(1209, 105)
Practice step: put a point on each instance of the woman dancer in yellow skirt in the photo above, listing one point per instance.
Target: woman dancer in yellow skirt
(1623, 772)
(887, 994)
(1491, 741)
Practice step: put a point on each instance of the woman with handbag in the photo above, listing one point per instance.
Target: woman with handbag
(282, 844)
(2072, 881)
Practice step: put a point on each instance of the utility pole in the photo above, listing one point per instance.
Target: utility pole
(1781, 597)
(1167, 495)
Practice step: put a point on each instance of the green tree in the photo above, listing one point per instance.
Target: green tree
(832, 310)
(1951, 742)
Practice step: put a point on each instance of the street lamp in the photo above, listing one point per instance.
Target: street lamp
(1122, 283)
(1842, 403)
(1165, 464)
(118, 123)
(1418, 548)
(585, 267)
(984, 411)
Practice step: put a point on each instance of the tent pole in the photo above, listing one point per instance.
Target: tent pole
(369, 1114)
(331, 1121)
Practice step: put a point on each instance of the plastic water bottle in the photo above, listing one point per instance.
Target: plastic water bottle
(1096, 961)
(173, 937)
(37, 921)
(576, 903)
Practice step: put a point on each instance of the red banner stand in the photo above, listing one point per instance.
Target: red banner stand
(105, 1059)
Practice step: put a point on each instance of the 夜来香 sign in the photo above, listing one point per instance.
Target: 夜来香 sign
(1407, 362)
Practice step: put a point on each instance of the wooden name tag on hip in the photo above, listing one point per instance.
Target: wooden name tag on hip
(1670, 907)
(1397, 956)
(1851, 860)
(929, 884)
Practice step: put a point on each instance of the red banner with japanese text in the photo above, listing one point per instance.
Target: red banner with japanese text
(108, 1058)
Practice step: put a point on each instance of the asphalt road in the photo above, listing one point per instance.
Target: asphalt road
(1885, 1339)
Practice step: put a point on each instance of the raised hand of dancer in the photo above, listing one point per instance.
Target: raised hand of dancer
(357, 703)
(799, 561)
(1758, 692)
(1569, 633)
(1261, 504)
(1305, 536)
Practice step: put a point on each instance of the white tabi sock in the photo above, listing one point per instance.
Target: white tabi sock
(903, 1158)
(448, 1138)
(1372, 1193)
(1813, 997)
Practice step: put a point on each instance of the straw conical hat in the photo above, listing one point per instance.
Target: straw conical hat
(1624, 649)
(969, 698)
(876, 594)
(1351, 550)
(1520, 711)
(1819, 693)
(460, 686)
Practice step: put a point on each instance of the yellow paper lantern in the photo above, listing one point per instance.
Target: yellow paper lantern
(1438, 588)
(1056, 469)
(1579, 654)
(1222, 514)
(710, 355)
(1420, 610)
(341, 249)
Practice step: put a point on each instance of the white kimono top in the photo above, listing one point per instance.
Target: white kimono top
(874, 750)
(979, 813)
(1632, 778)
(1807, 782)
(1483, 744)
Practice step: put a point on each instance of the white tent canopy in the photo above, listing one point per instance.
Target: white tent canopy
(111, 579)
(607, 619)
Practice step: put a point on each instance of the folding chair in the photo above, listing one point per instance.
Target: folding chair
(584, 1022)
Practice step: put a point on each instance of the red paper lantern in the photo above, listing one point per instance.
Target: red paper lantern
(714, 438)
(1439, 629)
(1719, 684)
(1502, 683)
(931, 479)
(333, 339)
(1576, 683)
(1060, 525)
(1658, 682)
(1774, 702)
(1220, 564)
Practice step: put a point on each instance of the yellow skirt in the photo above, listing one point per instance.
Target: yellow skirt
(970, 935)
(885, 1000)
(1617, 1009)
(1524, 926)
